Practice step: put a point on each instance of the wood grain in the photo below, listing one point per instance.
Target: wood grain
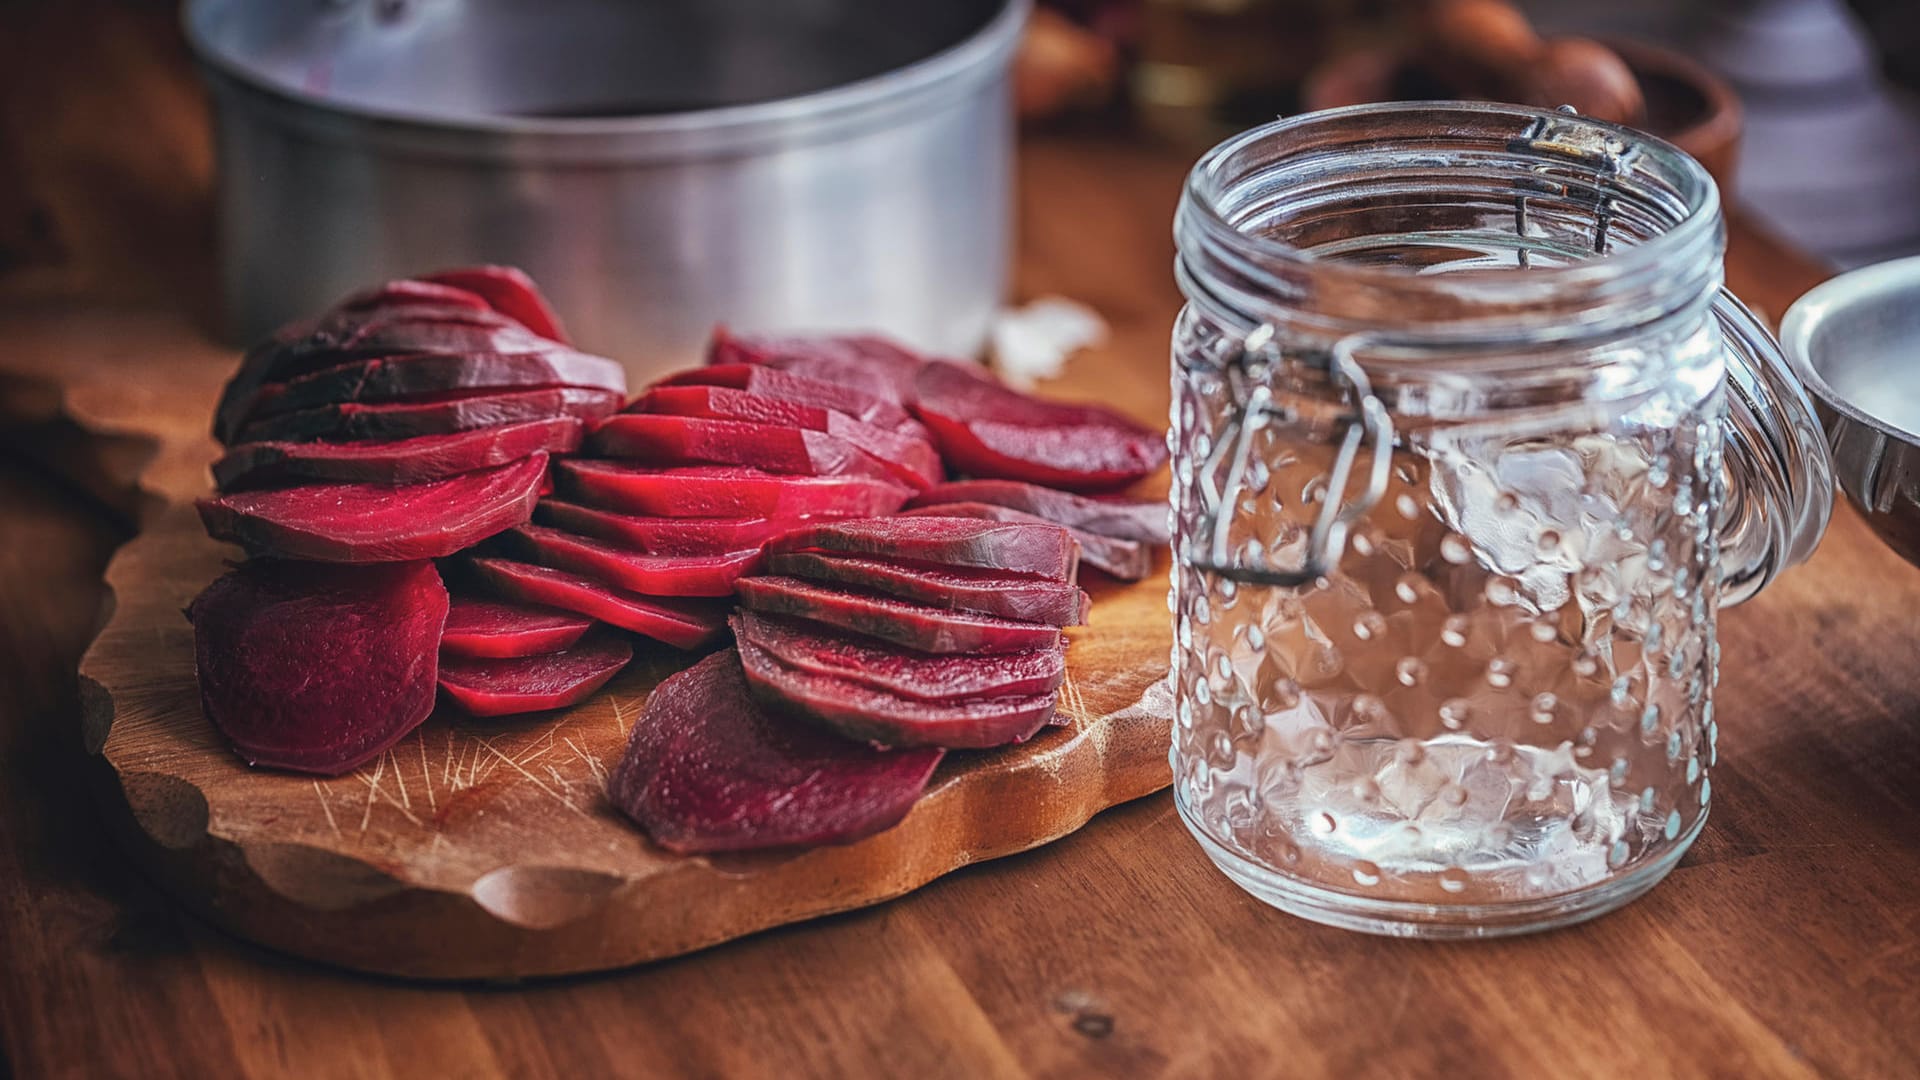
(1787, 943)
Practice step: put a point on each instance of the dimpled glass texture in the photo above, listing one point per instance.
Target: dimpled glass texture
(1494, 711)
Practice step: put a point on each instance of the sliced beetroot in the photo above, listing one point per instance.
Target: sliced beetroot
(991, 431)
(859, 711)
(721, 491)
(1124, 560)
(318, 668)
(410, 292)
(400, 378)
(988, 592)
(914, 626)
(1039, 548)
(805, 646)
(661, 535)
(910, 458)
(340, 337)
(534, 683)
(509, 291)
(636, 571)
(497, 630)
(708, 769)
(395, 461)
(1144, 520)
(871, 365)
(441, 414)
(651, 439)
(791, 386)
(680, 622)
(378, 522)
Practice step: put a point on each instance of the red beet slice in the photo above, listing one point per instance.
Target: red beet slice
(801, 645)
(360, 523)
(1144, 520)
(987, 592)
(318, 668)
(988, 430)
(861, 712)
(396, 461)
(708, 769)
(509, 291)
(494, 629)
(340, 337)
(710, 491)
(914, 626)
(459, 410)
(399, 378)
(637, 571)
(678, 440)
(791, 386)
(1039, 548)
(1125, 560)
(911, 459)
(660, 535)
(534, 683)
(682, 623)
(408, 292)
(871, 365)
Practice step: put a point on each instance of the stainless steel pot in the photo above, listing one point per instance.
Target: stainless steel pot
(658, 167)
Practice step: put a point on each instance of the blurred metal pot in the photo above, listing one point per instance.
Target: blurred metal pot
(657, 167)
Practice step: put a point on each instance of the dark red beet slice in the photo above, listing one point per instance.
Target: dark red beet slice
(637, 571)
(1144, 520)
(988, 430)
(509, 291)
(662, 535)
(719, 491)
(858, 711)
(460, 410)
(340, 337)
(408, 292)
(872, 365)
(318, 668)
(399, 378)
(682, 623)
(497, 630)
(988, 592)
(378, 522)
(1125, 560)
(799, 644)
(1040, 548)
(651, 439)
(708, 769)
(911, 459)
(914, 626)
(396, 461)
(534, 683)
(791, 386)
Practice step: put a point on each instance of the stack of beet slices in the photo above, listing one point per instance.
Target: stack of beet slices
(408, 423)
(899, 637)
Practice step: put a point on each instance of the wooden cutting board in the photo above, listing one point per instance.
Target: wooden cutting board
(487, 849)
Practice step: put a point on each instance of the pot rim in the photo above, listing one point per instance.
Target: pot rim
(819, 114)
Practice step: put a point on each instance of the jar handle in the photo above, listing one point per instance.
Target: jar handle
(1329, 536)
(1779, 478)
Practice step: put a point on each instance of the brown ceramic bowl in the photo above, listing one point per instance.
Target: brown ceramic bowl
(1687, 105)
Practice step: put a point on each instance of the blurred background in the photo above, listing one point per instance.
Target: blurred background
(1806, 107)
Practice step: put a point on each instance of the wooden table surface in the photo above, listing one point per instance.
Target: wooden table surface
(1787, 943)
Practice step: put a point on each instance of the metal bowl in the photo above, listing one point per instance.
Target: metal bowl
(1855, 344)
(657, 167)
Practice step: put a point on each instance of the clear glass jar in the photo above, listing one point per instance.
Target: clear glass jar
(1470, 446)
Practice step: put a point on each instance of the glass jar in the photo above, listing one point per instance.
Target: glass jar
(1470, 446)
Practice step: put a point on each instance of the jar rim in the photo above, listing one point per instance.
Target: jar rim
(1574, 141)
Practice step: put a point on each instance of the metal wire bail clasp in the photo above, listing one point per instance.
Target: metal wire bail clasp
(1259, 354)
